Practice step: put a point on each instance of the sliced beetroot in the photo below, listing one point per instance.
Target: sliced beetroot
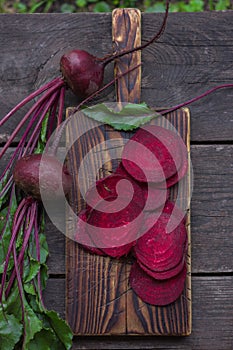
(82, 236)
(155, 197)
(161, 275)
(156, 292)
(153, 154)
(114, 224)
(172, 209)
(158, 193)
(182, 170)
(111, 187)
(157, 249)
(118, 252)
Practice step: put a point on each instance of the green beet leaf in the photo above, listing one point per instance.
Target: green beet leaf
(130, 117)
(10, 331)
(32, 324)
(43, 340)
(61, 329)
(31, 269)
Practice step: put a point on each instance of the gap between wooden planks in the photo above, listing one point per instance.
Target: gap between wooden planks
(99, 299)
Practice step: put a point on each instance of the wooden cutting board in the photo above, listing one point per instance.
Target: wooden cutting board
(99, 300)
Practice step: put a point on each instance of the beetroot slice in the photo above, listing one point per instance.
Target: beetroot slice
(165, 147)
(161, 275)
(171, 208)
(182, 171)
(157, 249)
(106, 188)
(158, 193)
(112, 231)
(156, 292)
(83, 236)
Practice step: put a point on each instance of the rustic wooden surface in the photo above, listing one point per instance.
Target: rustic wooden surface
(99, 300)
(194, 54)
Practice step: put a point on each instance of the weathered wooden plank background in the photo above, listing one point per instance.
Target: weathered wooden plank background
(194, 54)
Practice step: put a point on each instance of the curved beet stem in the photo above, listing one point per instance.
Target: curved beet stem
(19, 282)
(17, 224)
(37, 241)
(111, 57)
(53, 149)
(31, 97)
(186, 103)
(27, 233)
(45, 97)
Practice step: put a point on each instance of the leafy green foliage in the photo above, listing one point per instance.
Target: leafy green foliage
(130, 117)
(32, 6)
(10, 331)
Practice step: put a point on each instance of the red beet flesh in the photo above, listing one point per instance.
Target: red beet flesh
(156, 292)
(158, 193)
(106, 188)
(113, 227)
(34, 172)
(162, 162)
(83, 236)
(158, 250)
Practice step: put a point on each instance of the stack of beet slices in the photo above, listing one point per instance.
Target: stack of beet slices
(129, 213)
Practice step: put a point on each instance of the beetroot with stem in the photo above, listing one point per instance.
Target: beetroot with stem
(84, 73)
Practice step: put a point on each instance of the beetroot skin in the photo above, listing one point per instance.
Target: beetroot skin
(33, 172)
(83, 72)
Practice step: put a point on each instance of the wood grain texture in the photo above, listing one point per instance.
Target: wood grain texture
(99, 300)
(212, 299)
(126, 34)
(95, 285)
(188, 59)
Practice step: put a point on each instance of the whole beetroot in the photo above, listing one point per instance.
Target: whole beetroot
(34, 172)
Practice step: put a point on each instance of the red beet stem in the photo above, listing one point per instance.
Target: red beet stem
(104, 87)
(28, 231)
(9, 207)
(17, 224)
(28, 114)
(20, 147)
(174, 108)
(30, 97)
(33, 138)
(109, 58)
(37, 241)
(61, 105)
(19, 282)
